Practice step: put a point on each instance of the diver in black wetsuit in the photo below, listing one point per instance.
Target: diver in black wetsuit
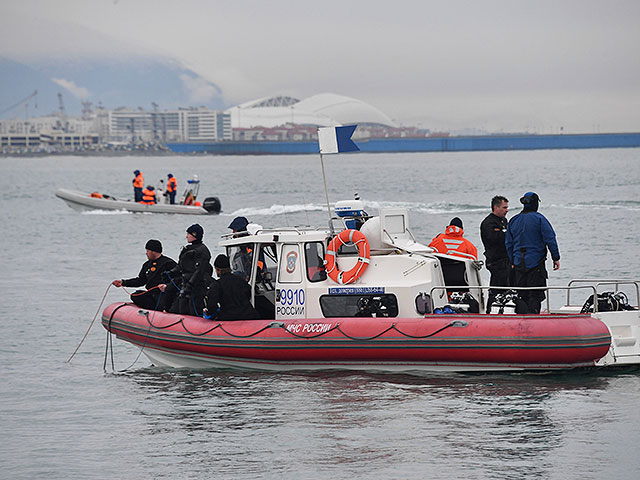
(190, 278)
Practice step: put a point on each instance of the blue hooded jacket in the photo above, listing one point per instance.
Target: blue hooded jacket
(532, 231)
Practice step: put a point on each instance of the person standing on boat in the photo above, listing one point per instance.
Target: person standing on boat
(150, 276)
(138, 183)
(528, 237)
(172, 188)
(229, 297)
(187, 282)
(492, 232)
(452, 241)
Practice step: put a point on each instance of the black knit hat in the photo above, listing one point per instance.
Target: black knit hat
(196, 230)
(221, 261)
(154, 246)
(456, 222)
(239, 224)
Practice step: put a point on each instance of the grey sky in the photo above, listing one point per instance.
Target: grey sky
(499, 65)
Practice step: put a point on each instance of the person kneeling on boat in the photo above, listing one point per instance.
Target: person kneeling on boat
(150, 276)
(229, 297)
(187, 283)
(149, 196)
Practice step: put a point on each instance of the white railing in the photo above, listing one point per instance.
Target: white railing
(546, 289)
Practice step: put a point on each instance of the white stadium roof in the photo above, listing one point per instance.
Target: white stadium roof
(325, 109)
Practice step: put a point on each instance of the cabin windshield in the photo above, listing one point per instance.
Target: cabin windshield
(314, 257)
(241, 259)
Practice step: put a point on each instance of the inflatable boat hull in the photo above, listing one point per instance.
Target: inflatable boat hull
(434, 343)
(83, 202)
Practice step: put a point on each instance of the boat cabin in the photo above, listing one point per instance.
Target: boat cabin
(287, 270)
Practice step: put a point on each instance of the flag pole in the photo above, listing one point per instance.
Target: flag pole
(326, 193)
(334, 140)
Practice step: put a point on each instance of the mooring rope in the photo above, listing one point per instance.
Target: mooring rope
(90, 325)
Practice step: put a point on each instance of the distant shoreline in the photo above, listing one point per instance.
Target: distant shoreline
(506, 142)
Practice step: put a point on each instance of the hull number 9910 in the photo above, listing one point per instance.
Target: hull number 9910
(291, 303)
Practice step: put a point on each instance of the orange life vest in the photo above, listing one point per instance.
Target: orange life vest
(138, 182)
(451, 242)
(148, 197)
(172, 185)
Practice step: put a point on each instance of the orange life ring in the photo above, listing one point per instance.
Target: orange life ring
(331, 265)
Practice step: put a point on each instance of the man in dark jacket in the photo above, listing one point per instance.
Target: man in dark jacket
(230, 295)
(190, 278)
(150, 276)
(529, 235)
(492, 232)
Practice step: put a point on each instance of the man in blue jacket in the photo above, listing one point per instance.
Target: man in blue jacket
(528, 237)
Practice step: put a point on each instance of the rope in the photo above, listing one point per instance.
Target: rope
(423, 336)
(146, 337)
(90, 325)
(104, 366)
(365, 339)
(135, 294)
(244, 336)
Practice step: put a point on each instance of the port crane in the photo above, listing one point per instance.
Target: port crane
(25, 101)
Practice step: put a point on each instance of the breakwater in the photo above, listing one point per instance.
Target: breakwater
(426, 144)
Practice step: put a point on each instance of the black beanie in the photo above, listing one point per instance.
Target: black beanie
(456, 222)
(221, 261)
(196, 230)
(239, 224)
(154, 246)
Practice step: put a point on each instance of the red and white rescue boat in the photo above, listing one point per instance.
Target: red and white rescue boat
(372, 298)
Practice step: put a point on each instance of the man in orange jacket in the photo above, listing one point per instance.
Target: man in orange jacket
(172, 188)
(452, 242)
(138, 183)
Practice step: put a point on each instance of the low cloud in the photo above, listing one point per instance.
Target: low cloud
(70, 86)
(199, 90)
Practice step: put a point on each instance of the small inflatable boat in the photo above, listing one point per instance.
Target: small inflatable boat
(96, 201)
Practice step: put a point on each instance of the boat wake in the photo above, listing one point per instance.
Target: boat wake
(371, 208)
(435, 207)
(106, 212)
(277, 210)
(632, 205)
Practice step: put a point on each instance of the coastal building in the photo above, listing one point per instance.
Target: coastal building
(181, 125)
(47, 133)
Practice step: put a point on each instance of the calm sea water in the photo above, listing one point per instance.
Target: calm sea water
(73, 420)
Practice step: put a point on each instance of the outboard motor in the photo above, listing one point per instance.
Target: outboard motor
(212, 205)
(352, 211)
